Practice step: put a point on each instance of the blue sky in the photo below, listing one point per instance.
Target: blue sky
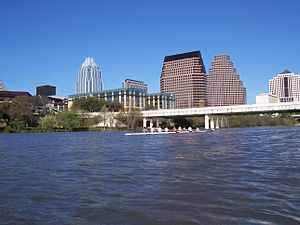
(45, 41)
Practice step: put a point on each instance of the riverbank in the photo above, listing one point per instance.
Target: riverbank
(71, 122)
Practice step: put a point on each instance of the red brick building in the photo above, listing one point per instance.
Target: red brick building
(184, 76)
(224, 86)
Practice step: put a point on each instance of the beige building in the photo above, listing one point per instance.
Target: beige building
(286, 86)
(266, 98)
(160, 101)
(184, 76)
(129, 98)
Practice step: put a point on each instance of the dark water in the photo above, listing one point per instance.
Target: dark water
(230, 176)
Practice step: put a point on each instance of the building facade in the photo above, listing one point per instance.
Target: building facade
(184, 75)
(224, 86)
(160, 101)
(2, 87)
(88, 77)
(135, 84)
(46, 90)
(286, 86)
(129, 98)
(266, 98)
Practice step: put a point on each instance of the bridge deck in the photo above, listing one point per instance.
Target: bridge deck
(224, 110)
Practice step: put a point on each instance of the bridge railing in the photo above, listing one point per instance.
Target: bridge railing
(221, 110)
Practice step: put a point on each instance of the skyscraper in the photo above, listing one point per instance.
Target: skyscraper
(2, 87)
(286, 86)
(184, 76)
(88, 77)
(224, 86)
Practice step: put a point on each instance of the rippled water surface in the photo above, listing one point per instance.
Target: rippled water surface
(230, 176)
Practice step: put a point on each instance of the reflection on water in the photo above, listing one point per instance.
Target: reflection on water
(230, 176)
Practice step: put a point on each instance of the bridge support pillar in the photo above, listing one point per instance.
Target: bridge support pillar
(222, 122)
(206, 118)
(157, 123)
(212, 123)
(217, 123)
(151, 123)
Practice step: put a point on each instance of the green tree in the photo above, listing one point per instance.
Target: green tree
(4, 113)
(114, 106)
(181, 121)
(63, 121)
(259, 120)
(49, 122)
(94, 104)
(21, 113)
(69, 120)
(89, 104)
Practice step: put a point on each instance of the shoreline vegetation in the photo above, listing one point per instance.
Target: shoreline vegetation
(23, 115)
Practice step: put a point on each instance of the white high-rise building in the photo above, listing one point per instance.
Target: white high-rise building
(286, 86)
(88, 77)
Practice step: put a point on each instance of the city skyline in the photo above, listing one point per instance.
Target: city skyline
(46, 47)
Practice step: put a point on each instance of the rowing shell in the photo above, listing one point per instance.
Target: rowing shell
(156, 133)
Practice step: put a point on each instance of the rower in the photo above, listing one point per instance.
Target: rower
(174, 129)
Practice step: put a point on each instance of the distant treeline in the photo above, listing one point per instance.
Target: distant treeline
(234, 121)
(261, 120)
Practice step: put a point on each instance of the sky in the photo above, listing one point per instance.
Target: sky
(45, 41)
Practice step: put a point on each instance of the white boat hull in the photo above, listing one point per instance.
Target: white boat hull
(158, 133)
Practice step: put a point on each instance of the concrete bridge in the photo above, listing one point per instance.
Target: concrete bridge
(214, 115)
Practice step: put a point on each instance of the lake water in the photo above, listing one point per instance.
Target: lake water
(230, 176)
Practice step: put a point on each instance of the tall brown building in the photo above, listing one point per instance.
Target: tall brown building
(224, 86)
(184, 76)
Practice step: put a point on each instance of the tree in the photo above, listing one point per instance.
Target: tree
(89, 104)
(104, 115)
(49, 122)
(21, 113)
(68, 120)
(181, 121)
(114, 106)
(64, 121)
(94, 104)
(4, 113)
(133, 119)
